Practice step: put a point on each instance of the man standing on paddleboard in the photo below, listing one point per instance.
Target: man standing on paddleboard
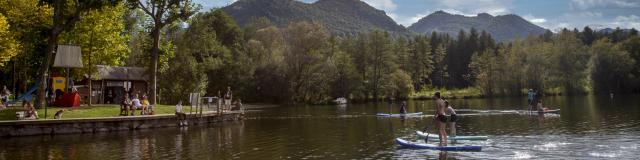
(530, 98)
(440, 118)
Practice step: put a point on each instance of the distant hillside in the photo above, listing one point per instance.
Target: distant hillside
(611, 30)
(341, 17)
(501, 28)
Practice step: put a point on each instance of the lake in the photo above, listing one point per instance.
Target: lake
(588, 127)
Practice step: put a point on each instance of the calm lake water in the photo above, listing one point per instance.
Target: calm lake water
(588, 127)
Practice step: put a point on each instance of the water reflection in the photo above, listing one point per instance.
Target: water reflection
(588, 127)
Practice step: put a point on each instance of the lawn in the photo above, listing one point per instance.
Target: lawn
(84, 111)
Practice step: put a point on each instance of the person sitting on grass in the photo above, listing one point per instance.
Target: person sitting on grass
(145, 106)
(135, 104)
(31, 113)
(4, 96)
(125, 106)
(149, 107)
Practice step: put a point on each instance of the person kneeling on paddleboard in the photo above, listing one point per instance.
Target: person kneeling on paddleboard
(452, 119)
(541, 108)
(403, 107)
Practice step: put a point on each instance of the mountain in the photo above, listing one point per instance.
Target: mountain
(501, 28)
(611, 30)
(341, 17)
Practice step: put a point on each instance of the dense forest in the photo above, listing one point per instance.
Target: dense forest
(207, 51)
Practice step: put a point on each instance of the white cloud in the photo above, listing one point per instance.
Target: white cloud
(207, 4)
(573, 16)
(409, 20)
(628, 18)
(533, 19)
(631, 21)
(473, 7)
(458, 12)
(587, 4)
(386, 5)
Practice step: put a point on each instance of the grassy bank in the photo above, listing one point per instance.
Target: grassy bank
(84, 111)
(448, 93)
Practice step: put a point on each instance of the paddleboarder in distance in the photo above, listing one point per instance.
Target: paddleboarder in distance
(403, 107)
(440, 118)
(530, 98)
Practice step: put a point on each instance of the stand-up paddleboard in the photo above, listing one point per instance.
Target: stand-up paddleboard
(399, 115)
(551, 111)
(547, 111)
(418, 145)
(435, 137)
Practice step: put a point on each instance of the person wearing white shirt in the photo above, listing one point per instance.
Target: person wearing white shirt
(136, 104)
(182, 117)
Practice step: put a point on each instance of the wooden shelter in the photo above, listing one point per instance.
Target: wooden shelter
(111, 83)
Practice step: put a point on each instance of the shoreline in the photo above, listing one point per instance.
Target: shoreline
(17, 128)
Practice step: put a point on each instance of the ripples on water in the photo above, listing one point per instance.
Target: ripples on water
(587, 128)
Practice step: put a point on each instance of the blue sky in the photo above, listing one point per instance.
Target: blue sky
(551, 14)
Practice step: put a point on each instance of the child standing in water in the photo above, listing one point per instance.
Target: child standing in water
(452, 119)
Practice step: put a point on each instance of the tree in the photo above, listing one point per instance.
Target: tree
(66, 14)
(398, 83)
(419, 62)
(187, 76)
(380, 59)
(8, 45)
(609, 66)
(360, 50)
(28, 22)
(588, 36)
(100, 35)
(162, 13)
(568, 61)
(215, 40)
(484, 67)
(536, 56)
(306, 44)
(632, 45)
(266, 47)
(440, 73)
(342, 75)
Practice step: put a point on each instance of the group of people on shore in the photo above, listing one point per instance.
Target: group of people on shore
(130, 104)
(225, 102)
(4, 97)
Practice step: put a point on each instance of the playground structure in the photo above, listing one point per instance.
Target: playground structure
(67, 56)
(26, 95)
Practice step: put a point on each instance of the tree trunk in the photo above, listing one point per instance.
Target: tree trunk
(154, 63)
(90, 70)
(44, 70)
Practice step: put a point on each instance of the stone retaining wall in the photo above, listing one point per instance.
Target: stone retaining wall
(93, 125)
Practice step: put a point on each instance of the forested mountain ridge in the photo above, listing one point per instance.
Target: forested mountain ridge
(350, 17)
(341, 17)
(503, 27)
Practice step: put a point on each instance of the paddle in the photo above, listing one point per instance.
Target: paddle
(426, 139)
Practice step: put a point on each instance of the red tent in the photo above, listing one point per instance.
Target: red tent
(68, 100)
